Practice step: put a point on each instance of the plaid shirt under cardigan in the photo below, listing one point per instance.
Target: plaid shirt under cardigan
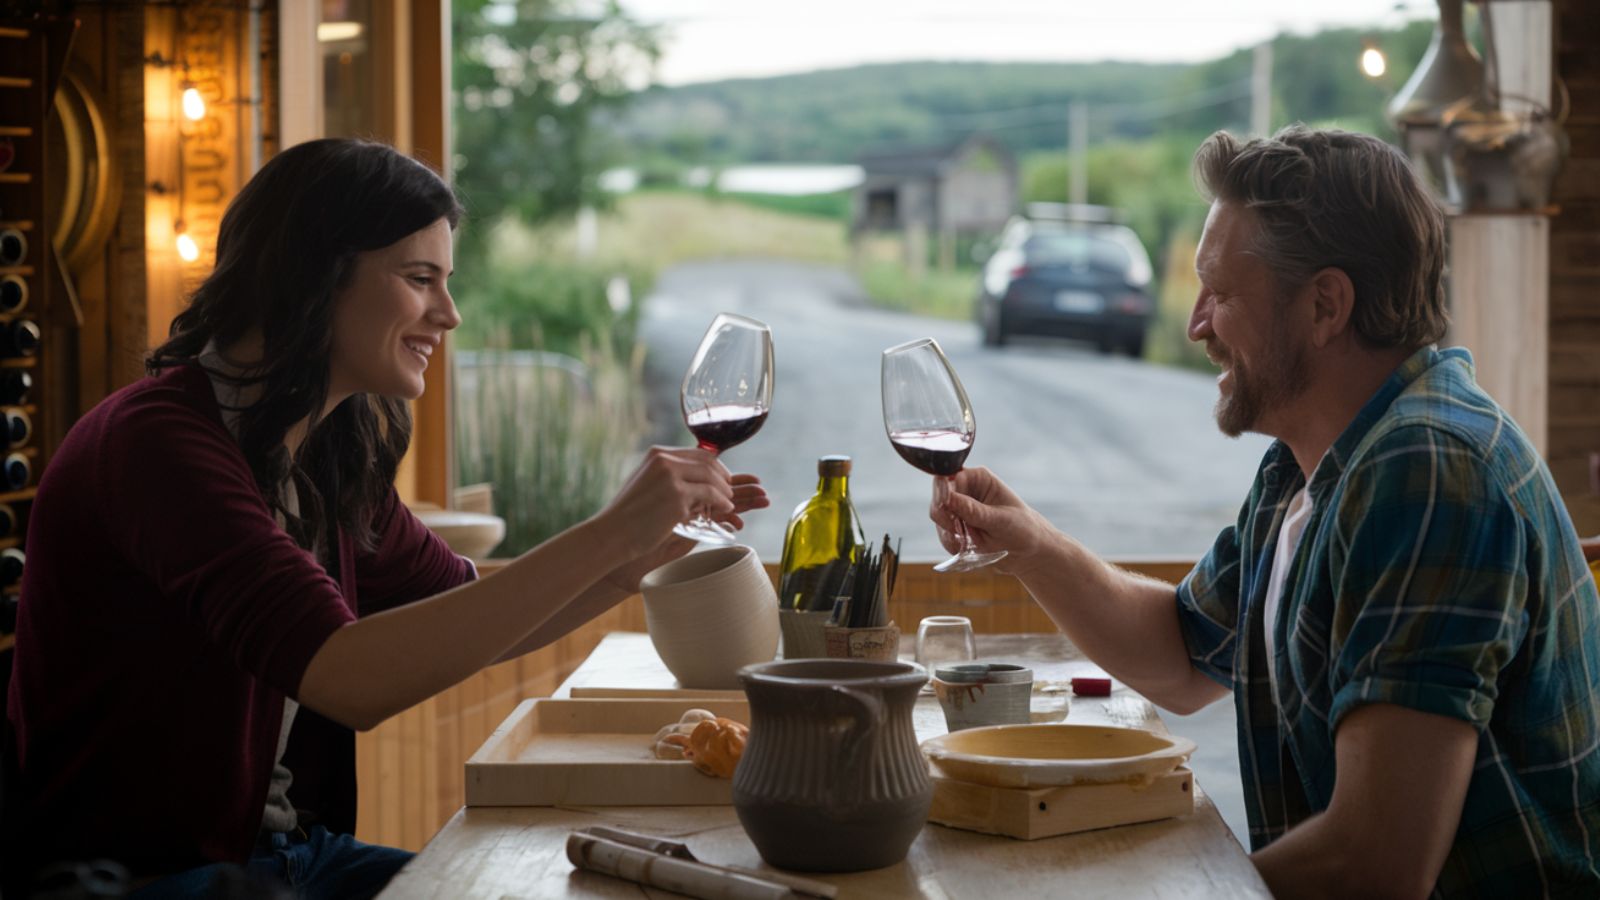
(1439, 571)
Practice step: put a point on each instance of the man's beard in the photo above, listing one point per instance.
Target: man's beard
(1283, 377)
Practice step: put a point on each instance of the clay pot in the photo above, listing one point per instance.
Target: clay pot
(832, 779)
(711, 613)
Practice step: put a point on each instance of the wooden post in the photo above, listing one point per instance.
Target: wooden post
(1574, 260)
(428, 112)
(1499, 264)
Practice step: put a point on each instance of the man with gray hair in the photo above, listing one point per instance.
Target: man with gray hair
(1402, 612)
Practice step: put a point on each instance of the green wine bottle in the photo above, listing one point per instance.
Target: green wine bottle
(823, 539)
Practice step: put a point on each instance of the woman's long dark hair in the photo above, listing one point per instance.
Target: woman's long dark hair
(287, 245)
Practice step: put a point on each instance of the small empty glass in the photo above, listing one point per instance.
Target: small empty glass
(942, 640)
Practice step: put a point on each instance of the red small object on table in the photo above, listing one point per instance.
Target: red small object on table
(1091, 687)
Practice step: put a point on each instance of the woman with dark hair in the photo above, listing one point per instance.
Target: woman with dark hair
(222, 584)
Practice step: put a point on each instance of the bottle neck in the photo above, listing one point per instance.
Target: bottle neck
(833, 486)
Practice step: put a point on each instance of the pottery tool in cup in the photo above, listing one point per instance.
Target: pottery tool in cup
(859, 627)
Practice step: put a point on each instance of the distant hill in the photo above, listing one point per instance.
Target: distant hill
(834, 115)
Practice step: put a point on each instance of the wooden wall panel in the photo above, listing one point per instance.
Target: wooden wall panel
(411, 768)
(1574, 396)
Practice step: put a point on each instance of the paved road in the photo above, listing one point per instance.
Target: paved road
(1121, 454)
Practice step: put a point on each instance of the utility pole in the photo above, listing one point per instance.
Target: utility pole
(1078, 142)
(1261, 90)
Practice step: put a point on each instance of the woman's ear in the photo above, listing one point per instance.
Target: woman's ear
(1333, 298)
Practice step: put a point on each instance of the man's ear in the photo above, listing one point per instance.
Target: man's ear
(1333, 299)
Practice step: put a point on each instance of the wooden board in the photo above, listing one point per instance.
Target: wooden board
(672, 693)
(593, 752)
(1046, 812)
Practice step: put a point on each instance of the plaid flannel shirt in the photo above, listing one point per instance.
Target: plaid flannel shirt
(1439, 571)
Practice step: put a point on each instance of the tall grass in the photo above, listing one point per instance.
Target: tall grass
(549, 402)
(554, 434)
(944, 295)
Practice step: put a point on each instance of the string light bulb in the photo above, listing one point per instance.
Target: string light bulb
(188, 250)
(1372, 62)
(194, 105)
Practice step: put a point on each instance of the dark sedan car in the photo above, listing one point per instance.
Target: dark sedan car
(1088, 280)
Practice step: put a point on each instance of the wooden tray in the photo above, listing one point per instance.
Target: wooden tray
(1049, 811)
(592, 752)
(673, 693)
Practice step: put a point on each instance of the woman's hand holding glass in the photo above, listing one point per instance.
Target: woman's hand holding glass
(667, 488)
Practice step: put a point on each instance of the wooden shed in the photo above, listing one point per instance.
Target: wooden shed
(943, 192)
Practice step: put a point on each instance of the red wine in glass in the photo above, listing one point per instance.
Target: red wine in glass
(930, 424)
(717, 428)
(726, 394)
(938, 452)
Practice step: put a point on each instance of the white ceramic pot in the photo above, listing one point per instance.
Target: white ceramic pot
(472, 535)
(711, 613)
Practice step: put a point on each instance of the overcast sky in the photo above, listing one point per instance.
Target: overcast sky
(712, 39)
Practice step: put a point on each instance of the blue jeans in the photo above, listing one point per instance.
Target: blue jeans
(318, 866)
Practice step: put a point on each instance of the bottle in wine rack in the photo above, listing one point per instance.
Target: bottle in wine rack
(11, 560)
(13, 247)
(8, 520)
(19, 337)
(16, 472)
(823, 540)
(13, 293)
(14, 386)
(17, 426)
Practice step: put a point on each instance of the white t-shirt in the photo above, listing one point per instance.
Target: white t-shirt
(1294, 524)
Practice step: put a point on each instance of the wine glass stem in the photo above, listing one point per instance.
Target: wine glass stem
(700, 518)
(945, 486)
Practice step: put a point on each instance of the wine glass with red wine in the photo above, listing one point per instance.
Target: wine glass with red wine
(726, 395)
(930, 424)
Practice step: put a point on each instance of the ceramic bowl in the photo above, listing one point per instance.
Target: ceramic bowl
(711, 613)
(1028, 756)
(472, 535)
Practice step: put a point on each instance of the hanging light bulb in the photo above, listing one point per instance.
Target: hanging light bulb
(188, 250)
(1373, 64)
(194, 105)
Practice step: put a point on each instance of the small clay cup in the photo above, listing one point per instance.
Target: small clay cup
(977, 694)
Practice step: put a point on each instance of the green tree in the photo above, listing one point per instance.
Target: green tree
(532, 80)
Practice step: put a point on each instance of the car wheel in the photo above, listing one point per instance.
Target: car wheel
(994, 329)
(1134, 346)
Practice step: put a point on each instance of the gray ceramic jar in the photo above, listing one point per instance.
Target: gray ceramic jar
(832, 779)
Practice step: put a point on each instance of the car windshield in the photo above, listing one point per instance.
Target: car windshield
(1079, 248)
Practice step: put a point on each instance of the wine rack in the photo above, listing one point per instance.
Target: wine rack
(33, 52)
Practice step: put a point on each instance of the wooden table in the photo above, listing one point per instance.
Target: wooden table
(495, 852)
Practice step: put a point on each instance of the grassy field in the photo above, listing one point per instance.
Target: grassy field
(658, 229)
(652, 230)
